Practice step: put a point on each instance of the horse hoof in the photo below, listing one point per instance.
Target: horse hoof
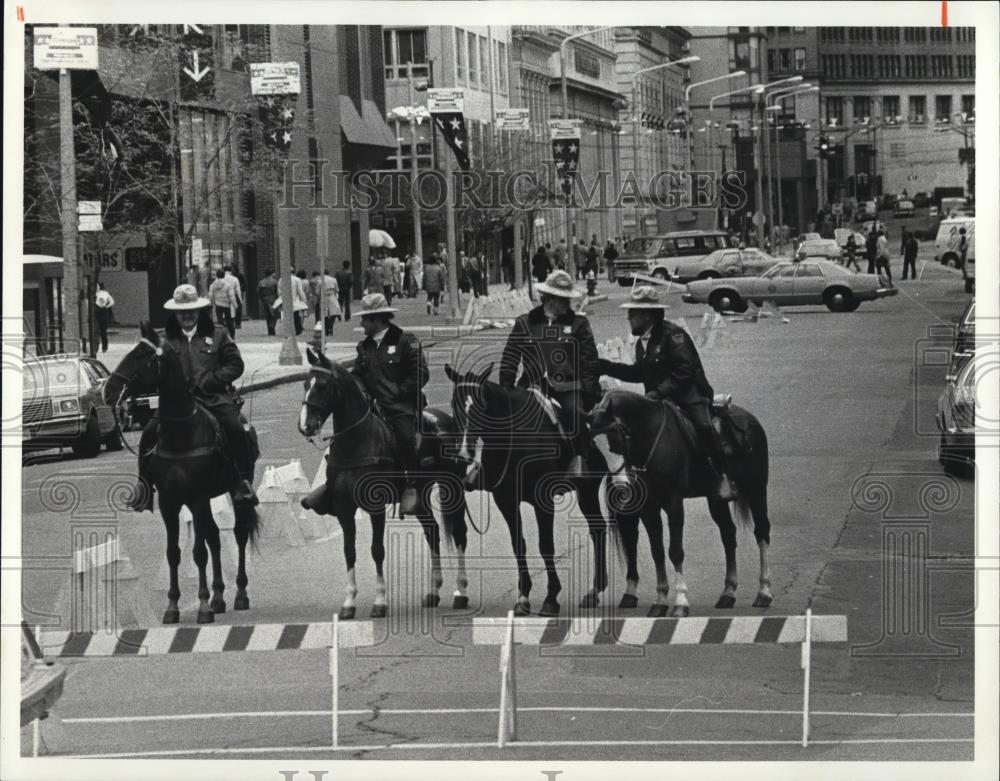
(346, 613)
(522, 609)
(629, 601)
(590, 600)
(206, 617)
(726, 602)
(431, 600)
(171, 616)
(241, 603)
(460, 603)
(549, 609)
(218, 606)
(762, 600)
(378, 611)
(680, 611)
(657, 611)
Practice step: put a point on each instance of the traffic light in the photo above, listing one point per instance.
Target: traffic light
(823, 147)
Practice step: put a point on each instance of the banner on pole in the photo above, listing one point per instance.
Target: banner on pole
(513, 119)
(274, 78)
(447, 107)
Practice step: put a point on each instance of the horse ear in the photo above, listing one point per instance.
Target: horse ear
(311, 356)
(485, 375)
(450, 373)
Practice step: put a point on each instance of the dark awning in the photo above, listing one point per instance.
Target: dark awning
(368, 140)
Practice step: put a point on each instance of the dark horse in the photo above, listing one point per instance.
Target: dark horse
(524, 459)
(363, 471)
(188, 467)
(655, 445)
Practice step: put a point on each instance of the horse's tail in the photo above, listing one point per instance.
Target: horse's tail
(742, 512)
(248, 520)
(753, 473)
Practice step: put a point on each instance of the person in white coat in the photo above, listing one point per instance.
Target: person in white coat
(331, 303)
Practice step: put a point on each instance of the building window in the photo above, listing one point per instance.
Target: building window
(918, 109)
(772, 61)
(235, 44)
(502, 65)
(460, 54)
(835, 111)
(890, 108)
(942, 108)
(587, 64)
(484, 62)
(473, 59)
(966, 66)
(968, 106)
(741, 55)
(401, 47)
(862, 108)
(315, 170)
(784, 59)
(800, 59)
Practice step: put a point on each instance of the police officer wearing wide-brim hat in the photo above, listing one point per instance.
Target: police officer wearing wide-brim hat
(668, 366)
(211, 362)
(555, 349)
(390, 364)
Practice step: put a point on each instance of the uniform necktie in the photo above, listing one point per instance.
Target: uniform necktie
(640, 351)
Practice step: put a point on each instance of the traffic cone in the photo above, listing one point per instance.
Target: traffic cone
(276, 509)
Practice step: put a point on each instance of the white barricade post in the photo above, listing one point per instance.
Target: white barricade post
(335, 674)
(113, 590)
(507, 730)
(276, 508)
(806, 664)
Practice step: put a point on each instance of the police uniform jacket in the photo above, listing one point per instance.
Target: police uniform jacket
(562, 354)
(669, 367)
(211, 361)
(394, 371)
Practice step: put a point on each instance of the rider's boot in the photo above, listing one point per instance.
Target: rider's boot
(409, 502)
(318, 500)
(724, 488)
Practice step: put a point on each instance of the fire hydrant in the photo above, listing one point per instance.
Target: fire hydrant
(591, 283)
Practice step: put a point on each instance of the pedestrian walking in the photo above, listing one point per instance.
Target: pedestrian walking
(371, 277)
(610, 256)
(300, 300)
(242, 279)
(910, 250)
(345, 286)
(223, 301)
(237, 291)
(331, 296)
(871, 248)
(579, 258)
(415, 273)
(103, 302)
(852, 250)
(882, 256)
(387, 274)
(267, 294)
(315, 292)
(474, 273)
(433, 282)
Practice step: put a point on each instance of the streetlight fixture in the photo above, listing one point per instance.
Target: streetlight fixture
(687, 106)
(780, 96)
(634, 78)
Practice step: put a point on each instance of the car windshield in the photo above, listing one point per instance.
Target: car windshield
(781, 270)
(40, 376)
(641, 247)
(905, 204)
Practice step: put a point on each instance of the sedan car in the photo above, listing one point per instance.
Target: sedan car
(63, 406)
(819, 248)
(791, 283)
(724, 263)
(921, 200)
(956, 416)
(904, 209)
(840, 235)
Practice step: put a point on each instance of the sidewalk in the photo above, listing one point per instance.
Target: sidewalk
(260, 351)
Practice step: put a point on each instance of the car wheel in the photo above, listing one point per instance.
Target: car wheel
(950, 259)
(661, 274)
(710, 275)
(89, 443)
(113, 441)
(727, 301)
(952, 463)
(625, 283)
(839, 299)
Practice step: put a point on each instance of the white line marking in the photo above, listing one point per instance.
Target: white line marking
(461, 711)
(517, 744)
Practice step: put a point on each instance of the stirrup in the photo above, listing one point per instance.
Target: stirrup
(725, 489)
(471, 480)
(409, 502)
(575, 468)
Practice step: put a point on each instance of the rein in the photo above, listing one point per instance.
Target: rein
(626, 436)
(313, 405)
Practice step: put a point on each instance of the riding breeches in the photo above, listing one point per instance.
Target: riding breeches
(698, 413)
(404, 430)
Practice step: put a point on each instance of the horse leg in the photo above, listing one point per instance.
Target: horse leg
(588, 491)
(171, 520)
(675, 522)
(547, 547)
(203, 517)
(653, 523)
(242, 533)
(509, 507)
(433, 536)
(727, 530)
(200, 554)
(762, 533)
(455, 519)
(346, 518)
(379, 608)
(628, 529)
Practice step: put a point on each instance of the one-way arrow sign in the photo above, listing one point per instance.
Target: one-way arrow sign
(197, 64)
(197, 74)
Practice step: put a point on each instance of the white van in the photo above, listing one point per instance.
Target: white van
(946, 243)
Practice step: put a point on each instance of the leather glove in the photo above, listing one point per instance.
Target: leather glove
(210, 383)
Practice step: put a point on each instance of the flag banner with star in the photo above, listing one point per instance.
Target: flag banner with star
(566, 153)
(277, 115)
(452, 127)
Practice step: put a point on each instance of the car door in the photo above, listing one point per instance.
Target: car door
(93, 389)
(754, 262)
(809, 284)
(730, 264)
(776, 285)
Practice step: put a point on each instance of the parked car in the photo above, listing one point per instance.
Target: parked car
(965, 336)
(956, 416)
(808, 237)
(724, 263)
(921, 200)
(946, 243)
(904, 209)
(867, 210)
(840, 236)
(819, 248)
(658, 256)
(791, 283)
(63, 407)
(888, 200)
(866, 227)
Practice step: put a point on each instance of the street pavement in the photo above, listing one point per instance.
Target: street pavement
(847, 401)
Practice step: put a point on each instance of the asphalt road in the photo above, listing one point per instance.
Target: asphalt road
(847, 401)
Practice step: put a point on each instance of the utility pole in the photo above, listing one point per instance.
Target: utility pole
(418, 239)
(72, 334)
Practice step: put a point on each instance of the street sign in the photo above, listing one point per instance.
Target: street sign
(513, 119)
(87, 223)
(197, 60)
(88, 207)
(197, 248)
(564, 128)
(74, 48)
(275, 78)
(539, 222)
(758, 219)
(446, 101)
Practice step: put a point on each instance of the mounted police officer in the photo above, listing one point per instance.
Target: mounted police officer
(668, 366)
(390, 365)
(211, 361)
(555, 348)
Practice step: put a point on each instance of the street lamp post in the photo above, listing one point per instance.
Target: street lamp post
(418, 238)
(780, 96)
(767, 143)
(687, 110)
(636, 116)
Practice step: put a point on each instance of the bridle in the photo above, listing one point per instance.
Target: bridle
(127, 380)
(318, 410)
(626, 436)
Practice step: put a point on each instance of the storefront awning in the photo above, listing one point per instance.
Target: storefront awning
(367, 138)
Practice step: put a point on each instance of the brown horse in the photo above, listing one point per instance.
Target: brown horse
(655, 448)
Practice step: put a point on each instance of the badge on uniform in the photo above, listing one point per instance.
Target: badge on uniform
(392, 349)
(567, 329)
(208, 341)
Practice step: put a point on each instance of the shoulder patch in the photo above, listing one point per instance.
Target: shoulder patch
(678, 338)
